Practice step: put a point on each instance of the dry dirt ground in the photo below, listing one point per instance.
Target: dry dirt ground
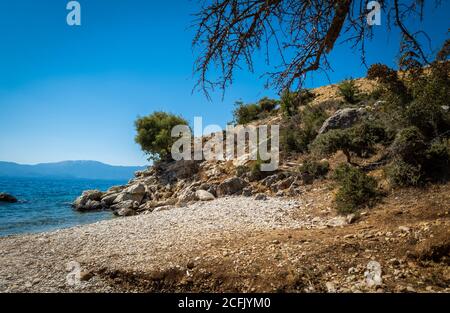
(240, 244)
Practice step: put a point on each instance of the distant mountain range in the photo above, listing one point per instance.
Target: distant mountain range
(69, 169)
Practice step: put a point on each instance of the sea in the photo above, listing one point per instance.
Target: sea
(45, 204)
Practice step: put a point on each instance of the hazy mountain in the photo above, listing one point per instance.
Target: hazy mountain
(69, 169)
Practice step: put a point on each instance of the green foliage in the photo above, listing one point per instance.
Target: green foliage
(332, 141)
(291, 101)
(409, 145)
(314, 168)
(401, 173)
(437, 160)
(267, 105)
(356, 189)
(349, 91)
(416, 161)
(154, 134)
(359, 139)
(246, 113)
(300, 130)
(390, 80)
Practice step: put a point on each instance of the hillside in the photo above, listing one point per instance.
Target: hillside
(69, 169)
(359, 203)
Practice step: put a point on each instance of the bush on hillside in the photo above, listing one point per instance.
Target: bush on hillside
(246, 113)
(356, 189)
(154, 134)
(291, 101)
(300, 130)
(349, 91)
(314, 168)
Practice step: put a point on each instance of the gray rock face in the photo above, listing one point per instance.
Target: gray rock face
(4, 197)
(133, 193)
(89, 200)
(231, 186)
(343, 118)
(109, 199)
(125, 212)
(204, 195)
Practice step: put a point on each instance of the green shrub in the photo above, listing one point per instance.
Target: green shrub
(331, 142)
(416, 161)
(403, 174)
(389, 79)
(436, 166)
(246, 113)
(154, 134)
(409, 145)
(359, 139)
(314, 168)
(291, 101)
(267, 105)
(356, 189)
(349, 91)
(300, 130)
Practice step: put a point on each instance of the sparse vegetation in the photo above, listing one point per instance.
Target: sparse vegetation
(300, 130)
(356, 189)
(317, 169)
(349, 91)
(246, 113)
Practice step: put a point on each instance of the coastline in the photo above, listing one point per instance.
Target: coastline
(239, 244)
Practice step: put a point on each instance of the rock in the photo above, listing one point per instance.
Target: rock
(351, 218)
(284, 184)
(204, 195)
(129, 204)
(134, 193)
(116, 189)
(270, 180)
(109, 199)
(307, 178)
(85, 275)
(125, 212)
(330, 287)
(187, 195)
(93, 205)
(343, 118)
(247, 192)
(261, 196)
(231, 186)
(373, 274)
(172, 171)
(405, 229)
(89, 200)
(4, 197)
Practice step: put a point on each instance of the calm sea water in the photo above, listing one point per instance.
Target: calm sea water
(44, 204)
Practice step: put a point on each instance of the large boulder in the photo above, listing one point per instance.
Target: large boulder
(109, 199)
(343, 118)
(204, 195)
(133, 193)
(231, 186)
(89, 200)
(4, 197)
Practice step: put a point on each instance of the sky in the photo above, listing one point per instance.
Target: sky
(74, 92)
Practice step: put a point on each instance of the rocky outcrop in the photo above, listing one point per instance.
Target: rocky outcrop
(231, 186)
(343, 118)
(4, 197)
(90, 200)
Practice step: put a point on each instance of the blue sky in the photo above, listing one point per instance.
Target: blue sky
(73, 93)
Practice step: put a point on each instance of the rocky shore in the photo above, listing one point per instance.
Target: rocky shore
(238, 243)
